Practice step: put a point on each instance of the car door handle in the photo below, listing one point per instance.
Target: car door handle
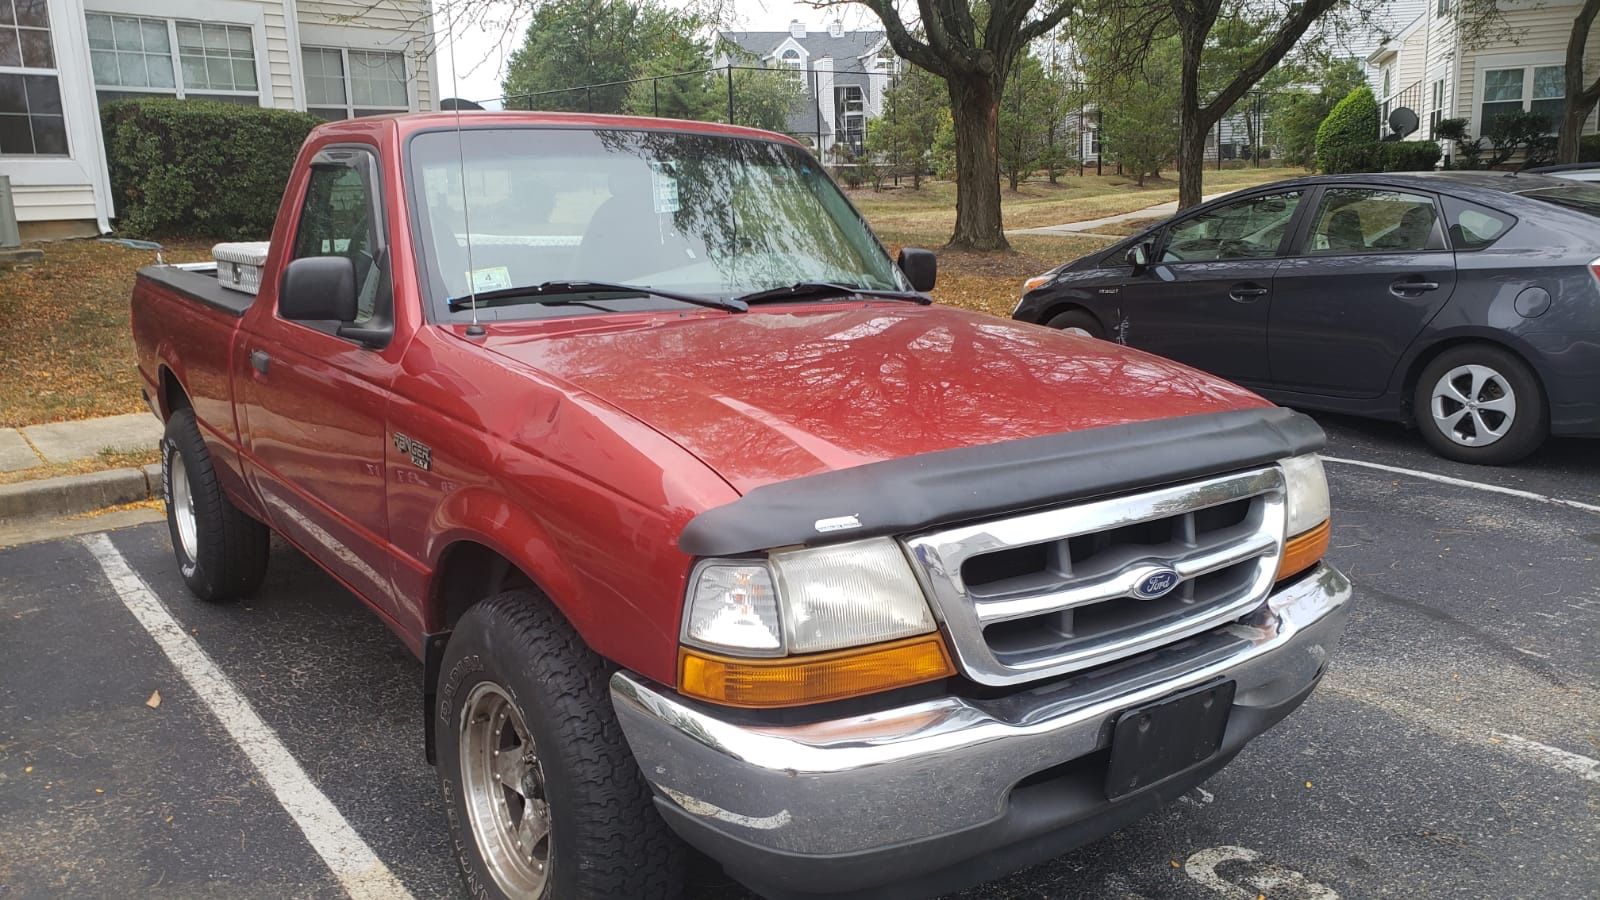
(1407, 287)
(1245, 293)
(259, 360)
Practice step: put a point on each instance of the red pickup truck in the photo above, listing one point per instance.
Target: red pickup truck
(711, 531)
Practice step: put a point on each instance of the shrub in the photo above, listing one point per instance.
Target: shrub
(1382, 156)
(1589, 148)
(195, 167)
(1353, 121)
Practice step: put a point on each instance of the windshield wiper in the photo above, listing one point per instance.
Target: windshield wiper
(824, 288)
(548, 288)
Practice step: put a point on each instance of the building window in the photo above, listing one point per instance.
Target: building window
(1539, 89)
(134, 56)
(1436, 110)
(32, 122)
(791, 60)
(1442, 9)
(344, 84)
(852, 113)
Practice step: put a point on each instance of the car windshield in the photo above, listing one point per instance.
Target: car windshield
(682, 213)
(1581, 196)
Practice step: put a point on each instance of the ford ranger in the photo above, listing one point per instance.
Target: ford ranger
(711, 533)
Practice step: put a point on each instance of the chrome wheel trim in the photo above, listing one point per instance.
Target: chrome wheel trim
(1473, 405)
(1081, 332)
(502, 784)
(183, 506)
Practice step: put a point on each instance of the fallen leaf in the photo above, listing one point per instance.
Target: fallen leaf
(1174, 863)
(27, 770)
(154, 701)
(1308, 785)
(99, 790)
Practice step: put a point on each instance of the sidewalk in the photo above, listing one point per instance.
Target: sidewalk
(65, 442)
(1088, 227)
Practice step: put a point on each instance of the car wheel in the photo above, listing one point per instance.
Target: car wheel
(1480, 404)
(1078, 322)
(222, 552)
(543, 796)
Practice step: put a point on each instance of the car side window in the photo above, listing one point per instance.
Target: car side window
(1247, 229)
(340, 217)
(1364, 220)
(1473, 226)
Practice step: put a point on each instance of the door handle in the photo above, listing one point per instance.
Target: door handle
(259, 360)
(1407, 287)
(1245, 293)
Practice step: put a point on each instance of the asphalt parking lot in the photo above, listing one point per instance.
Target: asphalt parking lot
(1449, 753)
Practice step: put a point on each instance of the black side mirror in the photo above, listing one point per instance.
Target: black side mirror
(319, 288)
(921, 268)
(1139, 256)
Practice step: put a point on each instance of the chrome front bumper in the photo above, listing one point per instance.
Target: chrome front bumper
(926, 771)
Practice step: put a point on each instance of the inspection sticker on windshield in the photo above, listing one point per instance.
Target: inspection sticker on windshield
(665, 189)
(492, 278)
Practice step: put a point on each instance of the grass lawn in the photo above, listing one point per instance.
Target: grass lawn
(65, 350)
(1036, 203)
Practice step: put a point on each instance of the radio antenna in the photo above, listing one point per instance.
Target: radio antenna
(473, 330)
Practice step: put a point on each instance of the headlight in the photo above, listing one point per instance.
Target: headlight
(1307, 531)
(806, 626)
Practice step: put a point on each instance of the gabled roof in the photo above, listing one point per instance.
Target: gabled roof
(849, 45)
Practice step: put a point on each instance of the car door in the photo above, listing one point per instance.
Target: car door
(1205, 298)
(314, 404)
(1369, 270)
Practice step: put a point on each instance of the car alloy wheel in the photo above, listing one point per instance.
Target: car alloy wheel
(1473, 405)
(504, 792)
(183, 507)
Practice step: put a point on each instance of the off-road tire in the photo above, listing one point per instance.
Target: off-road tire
(1077, 318)
(606, 838)
(1529, 426)
(231, 548)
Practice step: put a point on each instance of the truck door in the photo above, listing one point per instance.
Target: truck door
(314, 404)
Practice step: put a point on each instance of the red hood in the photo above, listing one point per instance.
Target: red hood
(780, 393)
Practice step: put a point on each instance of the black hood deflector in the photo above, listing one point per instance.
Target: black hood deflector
(897, 496)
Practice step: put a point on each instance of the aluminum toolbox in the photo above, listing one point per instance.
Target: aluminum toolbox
(239, 265)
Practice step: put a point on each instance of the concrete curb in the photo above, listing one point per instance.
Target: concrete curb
(70, 494)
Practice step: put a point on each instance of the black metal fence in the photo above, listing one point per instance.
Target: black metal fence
(833, 110)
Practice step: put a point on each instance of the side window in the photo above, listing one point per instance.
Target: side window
(1474, 227)
(1360, 220)
(340, 217)
(1247, 229)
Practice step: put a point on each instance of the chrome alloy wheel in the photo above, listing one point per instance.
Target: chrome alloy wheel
(503, 786)
(1473, 405)
(183, 505)
(1080, 332)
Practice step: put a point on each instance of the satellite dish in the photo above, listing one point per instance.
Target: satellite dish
(1402, 123)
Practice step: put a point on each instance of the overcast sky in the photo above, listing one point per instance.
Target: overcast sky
(482, 47)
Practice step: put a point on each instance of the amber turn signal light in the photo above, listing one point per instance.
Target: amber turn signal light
(814, 677)
(1303, 550)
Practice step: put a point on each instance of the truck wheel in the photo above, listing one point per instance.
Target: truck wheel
(1076, 321)
(221, 551)
(543, 797)
(1480, 404)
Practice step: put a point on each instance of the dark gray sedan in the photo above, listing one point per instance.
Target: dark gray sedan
(1465, 302)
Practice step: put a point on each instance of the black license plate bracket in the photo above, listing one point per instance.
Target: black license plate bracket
(1159, 739)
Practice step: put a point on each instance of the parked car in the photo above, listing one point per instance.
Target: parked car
(1467, 303)
(709, 529)
(1576, 171)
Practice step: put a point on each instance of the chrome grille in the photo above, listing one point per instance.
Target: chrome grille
(1054, 591)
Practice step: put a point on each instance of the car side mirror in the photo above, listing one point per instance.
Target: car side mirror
(1139, 256)
(319, 288)
(921, 268)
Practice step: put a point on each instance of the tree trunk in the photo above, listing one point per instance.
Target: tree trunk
(1192, 128)
(975, 109)
(1580, 101)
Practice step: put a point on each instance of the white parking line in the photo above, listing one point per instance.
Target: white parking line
(358, 869)
(1462, 482)
(1554, 757)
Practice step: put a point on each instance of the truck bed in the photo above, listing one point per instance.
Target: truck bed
(198, 282)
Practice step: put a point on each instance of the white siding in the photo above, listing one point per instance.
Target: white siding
(392, 25)
(54, 202)
(1541, 33)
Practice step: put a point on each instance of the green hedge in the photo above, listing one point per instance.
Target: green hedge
(195, 167)
(1382, 156)
(1352, 122)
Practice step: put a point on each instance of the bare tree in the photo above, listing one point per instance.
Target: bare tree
(972, 45)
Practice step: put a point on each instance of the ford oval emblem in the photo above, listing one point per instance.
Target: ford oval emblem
(1157, 583)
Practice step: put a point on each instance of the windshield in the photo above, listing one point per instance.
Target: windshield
(1579, 195)
(684, 213)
